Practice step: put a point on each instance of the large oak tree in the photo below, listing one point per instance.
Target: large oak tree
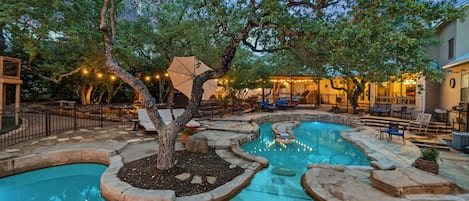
(262, 26)
(375, 41)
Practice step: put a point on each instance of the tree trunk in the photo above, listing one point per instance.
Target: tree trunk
(165, 158)
(88, 95)
(170, 98)
(359, 86)
(83, 92)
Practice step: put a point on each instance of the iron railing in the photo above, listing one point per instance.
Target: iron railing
(22, 125)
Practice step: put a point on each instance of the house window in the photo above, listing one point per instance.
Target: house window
(465, 88)
(451, 48)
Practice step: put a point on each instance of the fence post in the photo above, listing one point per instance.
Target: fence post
(74, 116)
(47, 116)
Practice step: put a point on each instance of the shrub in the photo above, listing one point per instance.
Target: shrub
(430, 154)
(188, 130)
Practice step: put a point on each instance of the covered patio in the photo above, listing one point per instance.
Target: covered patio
(302, 89)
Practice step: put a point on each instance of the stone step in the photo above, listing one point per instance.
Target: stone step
(408, 181)
(433, 127)
(439, 147)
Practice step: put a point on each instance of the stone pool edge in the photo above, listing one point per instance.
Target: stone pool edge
(82, 153)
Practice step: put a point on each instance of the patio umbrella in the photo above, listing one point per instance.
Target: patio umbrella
(182, 71)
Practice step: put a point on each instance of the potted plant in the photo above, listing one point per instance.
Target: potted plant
(186, 132)
(427, 161)
(360, 111)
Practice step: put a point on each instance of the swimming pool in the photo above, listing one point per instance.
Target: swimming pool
(316, 142)
(74, 182)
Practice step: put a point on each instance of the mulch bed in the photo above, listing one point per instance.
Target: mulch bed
(144, 174)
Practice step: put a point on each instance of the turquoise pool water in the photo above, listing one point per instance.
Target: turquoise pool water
(316, 142)
(75, 182)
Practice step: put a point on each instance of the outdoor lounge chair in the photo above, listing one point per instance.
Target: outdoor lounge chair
(166, 115)
(283, 104)
(191, 123)
(144, 120)
(266, 106)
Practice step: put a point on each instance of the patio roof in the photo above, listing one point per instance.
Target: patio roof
(462, 59)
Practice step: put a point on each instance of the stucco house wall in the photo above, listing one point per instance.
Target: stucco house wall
(442, 95)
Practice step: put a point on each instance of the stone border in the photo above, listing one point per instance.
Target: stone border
(347, 120)
(112, 188)
(54, 158)
(283, 130)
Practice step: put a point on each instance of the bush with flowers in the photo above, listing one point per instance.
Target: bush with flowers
(186, 132)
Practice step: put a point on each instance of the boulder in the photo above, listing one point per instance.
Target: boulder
(197, 143)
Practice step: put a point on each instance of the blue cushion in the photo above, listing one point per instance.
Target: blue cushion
(396, 133)
(281, 102)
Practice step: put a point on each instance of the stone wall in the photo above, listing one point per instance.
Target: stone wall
(347, 120)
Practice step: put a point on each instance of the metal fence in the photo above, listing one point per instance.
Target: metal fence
(22, 125)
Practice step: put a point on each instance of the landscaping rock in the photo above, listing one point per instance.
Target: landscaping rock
(211, 180)
(197, 143)
(183, 176)
(196, 180)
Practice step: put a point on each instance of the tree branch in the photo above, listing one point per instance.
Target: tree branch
(318, 6)
(112, 20)
(61, 77)
(254, 47)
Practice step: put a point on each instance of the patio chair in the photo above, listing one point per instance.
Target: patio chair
(404, 111)
(394, 130)
(421, 123)
(266, 106)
